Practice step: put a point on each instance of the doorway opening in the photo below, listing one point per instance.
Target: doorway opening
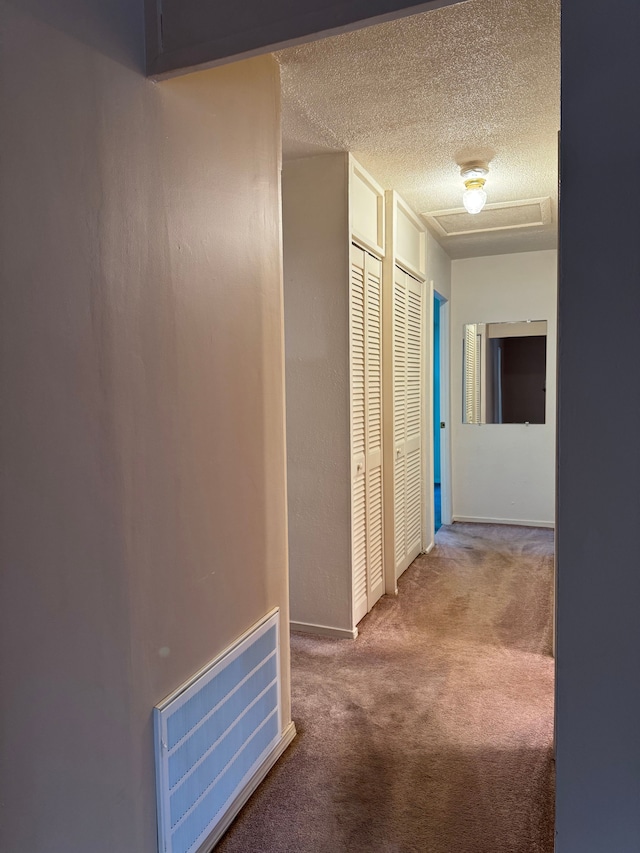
(494, 481)
(438, 423)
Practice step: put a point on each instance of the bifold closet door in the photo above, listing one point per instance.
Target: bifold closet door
(366, 430)
(407, 418)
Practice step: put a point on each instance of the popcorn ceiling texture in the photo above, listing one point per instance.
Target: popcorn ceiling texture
(414, 98)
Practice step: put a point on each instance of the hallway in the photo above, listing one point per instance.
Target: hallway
(432, 732)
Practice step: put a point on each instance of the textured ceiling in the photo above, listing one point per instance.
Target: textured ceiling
(415, 97)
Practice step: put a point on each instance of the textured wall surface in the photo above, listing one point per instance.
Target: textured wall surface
(143, 471)
(316, 299)
(504, 471)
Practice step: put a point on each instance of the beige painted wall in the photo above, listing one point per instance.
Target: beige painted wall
(316, 269)
(143, 488)
(504, 471)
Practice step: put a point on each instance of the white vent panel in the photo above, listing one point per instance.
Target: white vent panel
(505, 216)
(213, 734)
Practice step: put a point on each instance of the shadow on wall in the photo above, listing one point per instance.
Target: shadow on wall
(114, 28)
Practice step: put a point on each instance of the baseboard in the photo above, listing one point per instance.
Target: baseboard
(324, 630)
(429, 547)
(518, 522)
(232, 812)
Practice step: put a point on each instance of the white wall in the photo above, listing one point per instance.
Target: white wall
(316, 269)
(504, 472)
(438, 267)
(143, 472)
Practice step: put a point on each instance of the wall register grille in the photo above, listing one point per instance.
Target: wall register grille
(213, 734)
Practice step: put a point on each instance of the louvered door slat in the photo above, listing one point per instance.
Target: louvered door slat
(414, 490)
(358, 434)
(399, 354)
(399, 325)
(399, 526)
(408, 354)
(470, 375)
(374, 534)
(414, 361)
(357, 360)
(374, 356)
(413, 502)
(373, 367)
(366, 431)
(359, 547)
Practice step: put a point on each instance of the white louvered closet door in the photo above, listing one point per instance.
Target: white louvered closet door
(373, 362)
(399, 416)
(413, 453)
(471, 375)
(366, 430)
(407, 418)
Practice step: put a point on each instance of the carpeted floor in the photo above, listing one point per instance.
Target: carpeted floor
(432, 732)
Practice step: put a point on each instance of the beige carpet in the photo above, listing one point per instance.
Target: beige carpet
(432, 732)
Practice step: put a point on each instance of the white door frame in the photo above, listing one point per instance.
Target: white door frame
(428, 536)
(445, 409)
(428, 509)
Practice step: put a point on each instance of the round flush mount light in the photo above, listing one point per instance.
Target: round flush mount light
(474, 197)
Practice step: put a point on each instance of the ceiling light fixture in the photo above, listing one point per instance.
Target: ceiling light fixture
(474, 197)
